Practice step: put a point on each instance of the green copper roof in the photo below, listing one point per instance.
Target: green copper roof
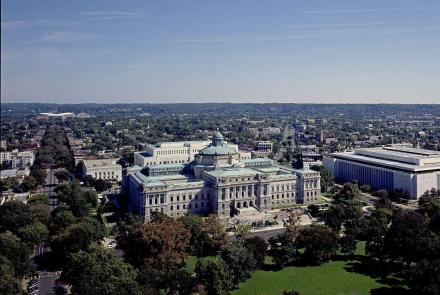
(218, 135)
(232, 172)
(217, 150)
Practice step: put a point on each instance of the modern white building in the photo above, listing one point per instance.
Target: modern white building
(175, 153)
(390, 167)
(102, 169)
(218, 181)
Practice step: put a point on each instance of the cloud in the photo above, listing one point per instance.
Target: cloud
(110, 15)
(347, 24)
(21, 24)
(368, 10)
(14, 24)
(342, 32)
(64, 37)
(413, 43)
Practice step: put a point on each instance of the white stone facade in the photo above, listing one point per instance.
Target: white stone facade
(217, 181)
(106, 169)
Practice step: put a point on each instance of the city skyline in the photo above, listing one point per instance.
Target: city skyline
(239, 51)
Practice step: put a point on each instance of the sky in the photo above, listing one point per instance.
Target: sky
(167, 51)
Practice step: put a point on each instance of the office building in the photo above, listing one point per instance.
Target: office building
(390, 167)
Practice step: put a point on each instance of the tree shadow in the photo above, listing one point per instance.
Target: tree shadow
(391, 291)
(47, 262)
(270, 267)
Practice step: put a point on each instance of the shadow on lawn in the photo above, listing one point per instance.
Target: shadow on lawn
(361, 265)
(391, 291)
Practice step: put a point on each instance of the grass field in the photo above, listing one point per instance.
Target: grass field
(192, 260)
(329, 279)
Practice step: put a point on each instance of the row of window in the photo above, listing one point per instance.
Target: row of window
(287, 195)
(173, 152)
(166, 162)
(161, 198)
(283, 187)
(106, 175)
(189, 207)
(311, 183)
(311, 193)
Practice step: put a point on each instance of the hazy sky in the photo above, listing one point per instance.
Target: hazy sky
(229, 50)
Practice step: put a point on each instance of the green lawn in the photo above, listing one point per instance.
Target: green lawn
(192, 260)
(329, 278)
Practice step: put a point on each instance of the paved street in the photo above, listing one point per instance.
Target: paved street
(267, 234)
(47, 280)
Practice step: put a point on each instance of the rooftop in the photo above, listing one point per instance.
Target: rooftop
(100, 163)
(409, 159)
(232, 172)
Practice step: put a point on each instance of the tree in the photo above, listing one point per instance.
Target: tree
(62, 175)
(373, 232)
(429, 202)
(158, 249)
(39, 212)
(29, 183)
(239, 261)
(382, 193)
(319, 243)
(79, 199)
(125, 227)
(102, 185)
(97, 271)
(207, 235)
(9, 282)
(194, 223)
(13, 216)
(38, 198)
(403, 237)
(33, 234)
(243, 230)
(348, 244)
(60, 218)
(384, 203)
(17, 252)
(8, 184)
(313, 209)
(399, 195)
(424, 277)
(349, 191)
(213, 276)
(352, 209)
(285, 254)
(257, 246)
(38, 174)
(365, 188)
(76, 237)
(214, 232)
(334, 216)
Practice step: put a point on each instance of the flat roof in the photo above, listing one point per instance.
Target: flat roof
(390, 159)
(100, 163)
(232, 172)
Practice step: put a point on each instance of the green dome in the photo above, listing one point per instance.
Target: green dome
(218, 135)
(217, 150)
